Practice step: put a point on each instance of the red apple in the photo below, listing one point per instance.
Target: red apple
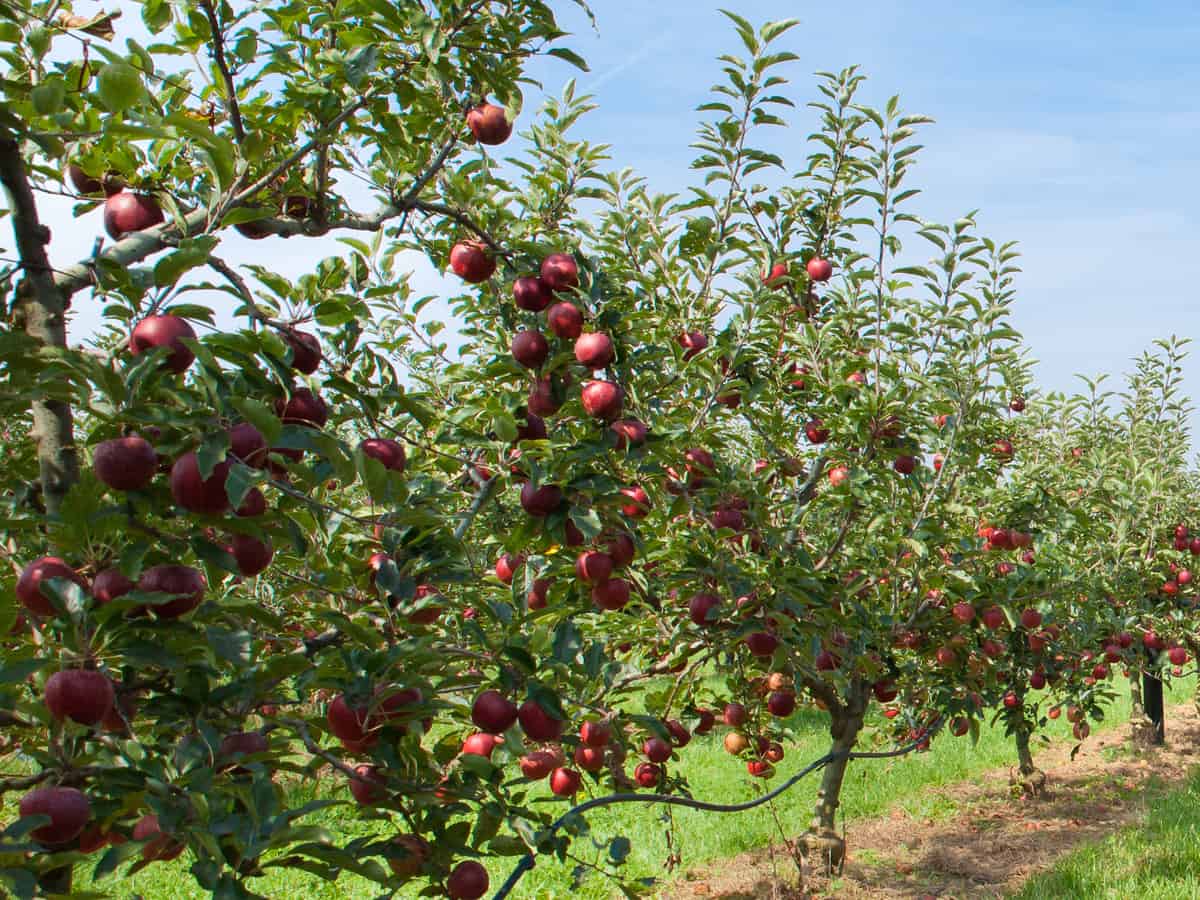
(775, 276)
(594, 350)
(125, 464)
(560, 272)
(595, 734)
(538, 724)
(629, 432)
(639, 502)
(702, 608)
(306, 350)
(538, 764)
(370, 787)
(109, 584)
(621, 548)
(82, 695)
(819, 269)
(252, 555)
(530, 348)
(905, 465)
(762, 643)
(69, 811)
(159, 846)
(184, 581)
(885, 691)
(164, 331)
(348, 723)
(534, 428)
(612, 594)
(838, 475)
(647, 775)
(1031, 619)
(303, 408)
(471, 261)
(565, 782)
(540, 502)
(480, 744)
(735, 715)
(590, 759)
(593, 567)
(29, 582)
(507, 566)
(964, 612)
(127, 212)
(565, 320)
(194, 492)
(412, 852)
(692, 343)
(602, 399)
(489, 124)
(493, 712)
(816, 432)
(657, 750)
(247, 444)
(387, 451)
(781, 703)
(530, 293)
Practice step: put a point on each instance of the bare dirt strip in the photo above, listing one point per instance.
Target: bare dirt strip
(991, 842)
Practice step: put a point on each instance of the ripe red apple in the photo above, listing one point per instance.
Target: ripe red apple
(125, 464)
(489, 124)
(303, 408)
(252, 555)
(993, 617)
(196, 493)
(629, 432)
(702, 608)
(938, 460)
(530, 348)
(507, 566)
(538, 764)
(1037, 680)
(493, 712)
(247, 444)
(639, 502)
(471, 261)
(480, 744)
(348, 723)
(164, 330)
(530, 293)
(412, 852)
(538, 724)
(82, 695)
(387, 451)
(964, 612)
(775, 276)
(560, 272)
(706, 721)
(621, 548)
(1017, 404)
(602, 400)
(565, 782)
(593, 567)
(762, 643)
(370, 787)
(885, 691)
(594, 350)
(819, 269)
(1183, 577)
(159, 846)
(69, 811)
(1031, 619)
(946, 656)
(839, 475)
(83, 182)
(1003, 449)
(816, 432)
(184, 581)
(590, 759)
(1177, 655)
(542, 399)
(595, 734)
(127, 212)
(735, 715)
(306, 350)
(692, 343)
(959, 726)
(565, 320)
(534, 428)
(781, 704)
(612, 594)
(540, 502)
(905, 465)
(647, 775)
(657, 750)
(109, 584)
(826, 661)
(29, 582)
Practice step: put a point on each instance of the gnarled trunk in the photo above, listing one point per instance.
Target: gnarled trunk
(846, 721)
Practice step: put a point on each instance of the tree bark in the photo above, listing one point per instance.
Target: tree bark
(40, 308)
(1146, 724)
(821, 839)
(1030, 778)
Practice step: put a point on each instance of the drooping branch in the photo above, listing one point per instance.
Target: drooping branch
(40, 306)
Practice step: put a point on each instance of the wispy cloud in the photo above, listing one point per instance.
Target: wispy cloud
(641, 53)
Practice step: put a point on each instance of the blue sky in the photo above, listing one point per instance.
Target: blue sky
(1074, 128)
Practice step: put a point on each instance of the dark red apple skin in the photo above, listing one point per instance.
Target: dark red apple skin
(777, 273)
(471, 262)
(306, 350)
(480, 744)
(593, 567)
(82, 182)
(603, 400)
(414, 851)
(530, 293)
(110, 584)
(538, 724)
(253, 504)
(629, 432)
(612, 594)
(164, 330)
(29, 583)
(540, 502)
(565, 782)
(303, 408)
(530, 349)
(700, 607)
(253, 555)
(819, 269)
(69, 811)
(247, 444)
(538, 764)
(542, 400)
(81, 695)
(241, 743)
(594, 350)
(125, 464)
(387, 451)
(468, 881)
(195, 493)
(647, 775)
(128, 212)
(348, 723)
(534, 428)
(621, 548)
(692, 343)
(560, 272)
(174, 579)
(489, 124)
(159, 847)
(565, 320)
(493, 712)
(370, 791)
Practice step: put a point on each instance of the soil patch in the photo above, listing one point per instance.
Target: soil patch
(990, 845)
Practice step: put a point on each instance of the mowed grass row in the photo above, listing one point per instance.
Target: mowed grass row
(1159, 860)
(871, 788)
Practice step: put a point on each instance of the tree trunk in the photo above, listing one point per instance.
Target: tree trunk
(821, 839)
(1146, 724)
(1030, 779)
(41, 310)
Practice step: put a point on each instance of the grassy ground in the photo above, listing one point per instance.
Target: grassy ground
(1159, 860)
(871, 787)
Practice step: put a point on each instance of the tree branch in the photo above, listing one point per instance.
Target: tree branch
(218, 52)
(41, 308)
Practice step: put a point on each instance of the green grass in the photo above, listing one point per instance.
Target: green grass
(1159, 860)
(871, 788)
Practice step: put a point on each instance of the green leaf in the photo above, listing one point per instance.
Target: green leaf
(47, 98)
(120, 86)
(192, 252)
(570, 56)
